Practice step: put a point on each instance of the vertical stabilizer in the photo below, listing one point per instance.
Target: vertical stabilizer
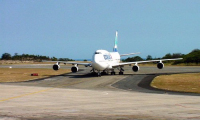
(115, 47)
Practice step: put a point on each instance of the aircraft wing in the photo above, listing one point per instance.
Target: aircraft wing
(66, 62)
(137, 62)
(129, 54)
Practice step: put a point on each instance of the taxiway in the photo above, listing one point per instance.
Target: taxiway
(83, 96)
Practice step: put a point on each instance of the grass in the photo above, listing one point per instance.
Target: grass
(178, 82)
(24, 74)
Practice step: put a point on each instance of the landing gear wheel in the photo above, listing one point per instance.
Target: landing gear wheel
(94, 73)
(112, 73)
(121, 73)
(103, 73)
(98, 74)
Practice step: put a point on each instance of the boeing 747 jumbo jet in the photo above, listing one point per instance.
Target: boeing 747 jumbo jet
(103, 62)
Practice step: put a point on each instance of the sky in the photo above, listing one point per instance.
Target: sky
(76, 28)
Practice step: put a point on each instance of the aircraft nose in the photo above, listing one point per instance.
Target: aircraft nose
(98, 64)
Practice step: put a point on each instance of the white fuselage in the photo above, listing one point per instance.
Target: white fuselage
(104, 60)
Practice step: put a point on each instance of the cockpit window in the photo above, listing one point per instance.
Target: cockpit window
(97, 52)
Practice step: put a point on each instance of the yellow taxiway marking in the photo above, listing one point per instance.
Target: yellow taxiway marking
(40, 91)
(23, 95)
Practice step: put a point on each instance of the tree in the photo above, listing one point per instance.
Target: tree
(16, 57)
(132, 59)
(149, 57)
(65, 59)
(195, 50)
(193, 57)
(6, 56)
(54, 59)
(167, 56)
(177, 55)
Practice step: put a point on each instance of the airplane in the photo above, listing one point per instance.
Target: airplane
(103, 62)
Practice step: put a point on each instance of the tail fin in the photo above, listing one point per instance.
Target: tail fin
(115, 47)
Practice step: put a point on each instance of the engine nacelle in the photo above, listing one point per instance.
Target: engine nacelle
(135, 68)
(56, 67)
(160, 65)
(74, 69)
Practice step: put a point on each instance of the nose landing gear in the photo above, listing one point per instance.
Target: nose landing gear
(99, 74)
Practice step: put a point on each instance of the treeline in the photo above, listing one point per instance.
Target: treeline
(27, 57)
(192, 57)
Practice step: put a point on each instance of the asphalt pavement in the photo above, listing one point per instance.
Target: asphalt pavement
(83, 96)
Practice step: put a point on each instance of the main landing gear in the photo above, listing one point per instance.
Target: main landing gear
(121, 71)
(113, 73)
(99, 73)
(104, 72)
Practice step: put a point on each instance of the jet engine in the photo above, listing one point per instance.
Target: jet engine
(74, 69)
(160, 65)
(56, 67)
(135, 68)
